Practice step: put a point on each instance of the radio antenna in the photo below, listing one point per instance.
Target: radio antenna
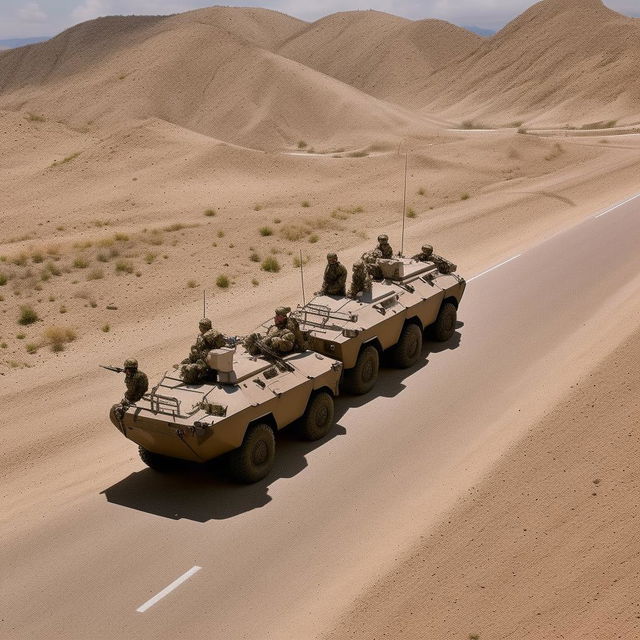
(404, 203)
(204, 303)
(302, 277)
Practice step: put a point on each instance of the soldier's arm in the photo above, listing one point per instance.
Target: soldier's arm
(342, 277)
(285, 342)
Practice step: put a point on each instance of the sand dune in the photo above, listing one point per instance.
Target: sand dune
(561, 62)
(210, 71)
(379, 53)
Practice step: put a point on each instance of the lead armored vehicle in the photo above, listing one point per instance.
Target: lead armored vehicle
(237, 414)
(408, 298)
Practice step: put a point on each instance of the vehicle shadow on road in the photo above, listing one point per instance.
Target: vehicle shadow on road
(205, 492)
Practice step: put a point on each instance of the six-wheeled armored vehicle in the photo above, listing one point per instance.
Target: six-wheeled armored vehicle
(237, 414)
(391, 315)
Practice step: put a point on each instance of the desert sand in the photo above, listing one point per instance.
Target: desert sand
(148, 161)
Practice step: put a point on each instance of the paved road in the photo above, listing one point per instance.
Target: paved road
(279, 558)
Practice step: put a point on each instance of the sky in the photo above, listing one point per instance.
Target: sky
(33, 18)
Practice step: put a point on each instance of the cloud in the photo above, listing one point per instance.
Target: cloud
(31, 12)
(91, 9)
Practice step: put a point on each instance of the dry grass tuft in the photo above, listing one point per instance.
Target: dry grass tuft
(58, 337)
(66, 160)
(28, 315)
(265, 231)
(222, 281)
(270, 264)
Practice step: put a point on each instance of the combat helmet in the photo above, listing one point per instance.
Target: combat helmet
(205, 324)
(332, 256)
(383, 238)
(427, 249)
(282, 311)
(130, 363)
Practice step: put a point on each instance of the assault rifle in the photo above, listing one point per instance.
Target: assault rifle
(272, 355)
(110, 368)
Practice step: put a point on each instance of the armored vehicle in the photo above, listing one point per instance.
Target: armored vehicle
(409, 297)
(237, 414)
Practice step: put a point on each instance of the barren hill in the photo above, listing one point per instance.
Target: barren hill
(561, 62)
(213, 71)
(379, 53)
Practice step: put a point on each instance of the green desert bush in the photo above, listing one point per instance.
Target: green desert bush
(58, 337)
(270, 264)
(222, 281)
(28, 315)
(265, 231)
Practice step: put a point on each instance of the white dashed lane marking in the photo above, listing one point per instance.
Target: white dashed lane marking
(167, 590)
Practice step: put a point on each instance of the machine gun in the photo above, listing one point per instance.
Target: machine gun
(110, 368)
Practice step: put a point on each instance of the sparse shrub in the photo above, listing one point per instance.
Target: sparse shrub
(254, 257)
(102, 257)
(58, 337)
(27, 315)
(465, 196)
(62, 309)
(150, 257)
(255, 282)
(65, 160)
(222, 281)
(210, 213)
(37, 257)
(52, 269)
(313, 238)
(124, 266)
(121, 237)
(301, 144)
(522, 130)
(80, 262)
(266, 231)
(220, 233)
(3, 279)
(192, 284)
(3, 345)
(20, 260)
(176, 226)
(277, 220)
(270, 264)
(20, 336)
(34, 117)
(95, 274)
(297, 263)
(106, 328)
(31, 347)
(305, 203)
(411, 213)
(421, 191)
(294, 232)
(257, 207)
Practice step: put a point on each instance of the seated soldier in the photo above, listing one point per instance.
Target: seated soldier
(335, 277)
(280, 338)
(194, 368)
(425, 254)
(360, 279)
(384, 247)
(370, 261)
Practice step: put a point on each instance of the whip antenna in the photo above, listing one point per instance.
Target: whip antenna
(404, 203)
(204, 303)
(302, 277)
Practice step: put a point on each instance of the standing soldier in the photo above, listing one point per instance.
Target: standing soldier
(335, 277)
(136, 381)
(360, 279)
(384, 247)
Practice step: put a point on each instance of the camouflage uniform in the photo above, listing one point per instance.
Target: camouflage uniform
(370, 260)
(194, 368)
(282, 337)
(136, 381)
(335, 277)
(360, 279)
(384, 247)
(425, 254)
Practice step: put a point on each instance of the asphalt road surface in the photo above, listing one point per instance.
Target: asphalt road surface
(111, 549)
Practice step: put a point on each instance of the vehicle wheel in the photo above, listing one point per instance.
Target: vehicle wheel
(156, 461)
(318, 417)
(445, 325)
(253, 460)
(406, 353)
(363, 376)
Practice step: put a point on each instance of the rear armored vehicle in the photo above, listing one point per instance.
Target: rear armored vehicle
(237, 413)
(406, 298)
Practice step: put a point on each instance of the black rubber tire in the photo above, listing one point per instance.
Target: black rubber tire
(409, 348)
(362, 378)
(318, 417)
(254, 459)
(445, 325)
(156, 461)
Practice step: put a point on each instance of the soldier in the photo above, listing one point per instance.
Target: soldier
(335, 277)
(384, 247)
(370, 260)
(281, 336)
(136, 381)
(425, 254)
(194, 368)
(360, 279)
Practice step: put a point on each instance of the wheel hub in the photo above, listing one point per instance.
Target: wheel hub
(260, 453)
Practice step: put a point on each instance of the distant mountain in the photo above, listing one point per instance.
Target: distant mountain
(11, 43)
(487, 33)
